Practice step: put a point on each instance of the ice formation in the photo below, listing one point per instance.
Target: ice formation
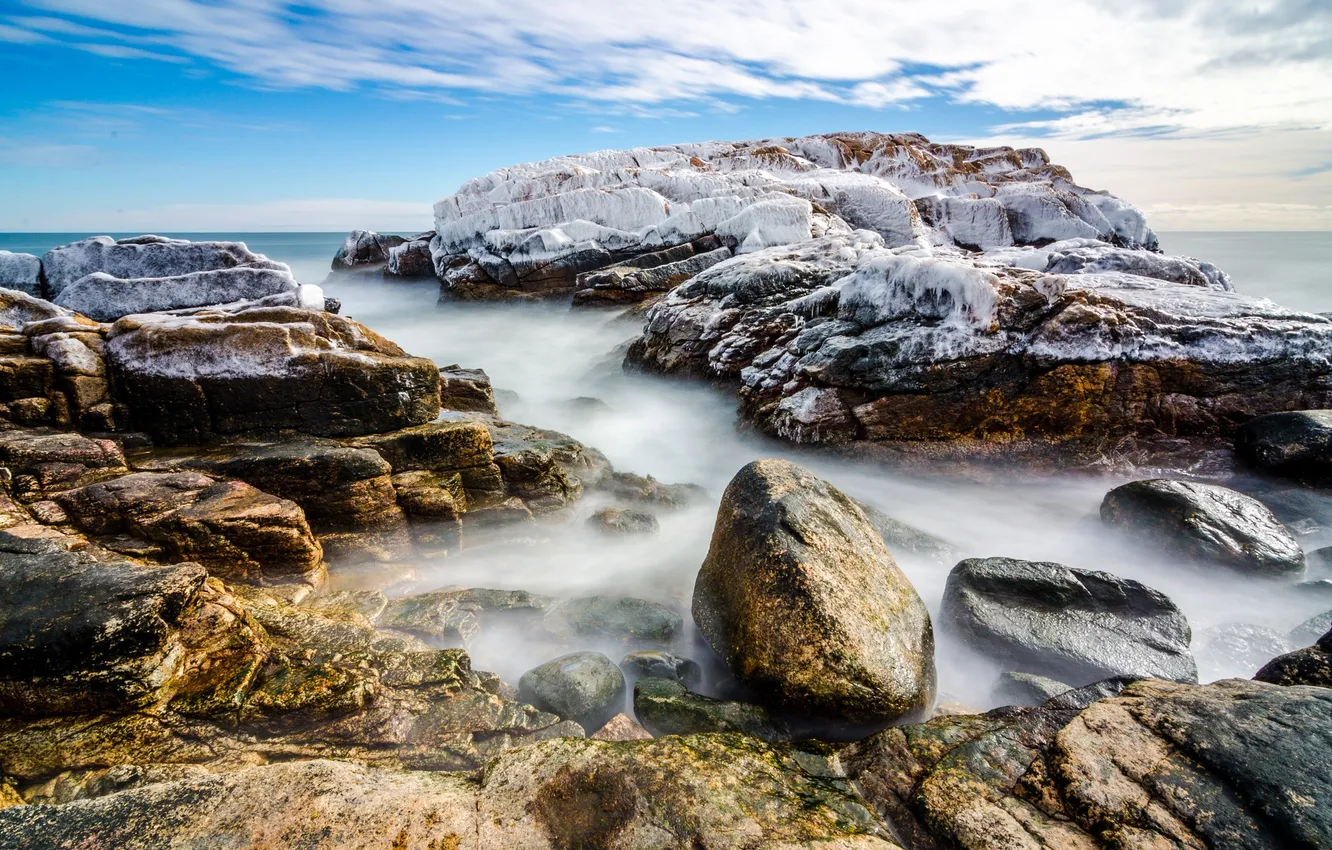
(533, 228)
(21, 272)
(106, 298)
(145, 257)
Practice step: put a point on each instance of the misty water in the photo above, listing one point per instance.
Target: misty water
(680, 431)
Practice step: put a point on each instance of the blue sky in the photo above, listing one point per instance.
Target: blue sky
(256, 114)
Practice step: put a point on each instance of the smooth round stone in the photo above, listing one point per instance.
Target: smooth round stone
(585, 687)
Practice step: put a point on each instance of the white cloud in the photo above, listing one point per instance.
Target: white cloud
(1193, 65)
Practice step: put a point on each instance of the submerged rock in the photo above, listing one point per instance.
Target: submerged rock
(1077, 625)
(1237, 649)
(620, 522)
(585, 687)
(902, 537)
(665, 707)
(622, 617)
(801, 599)
(1295, 444)
(1204, 522)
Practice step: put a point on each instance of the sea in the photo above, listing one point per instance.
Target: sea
(546, 356)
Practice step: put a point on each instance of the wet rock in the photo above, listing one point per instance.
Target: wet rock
(1311, 629)
(365, 605)
(646, 489)
(21, 272)
(621, 617)
(263, 370)
(801, 599)
(656, 664)
(466, 389)
(364, 250)
(1295, 444)
(233, 529)
(43, 461)
(1204, 522)
(901, 537)
(1026, 689)
(438, 618)
(1160, 765)
(1079, 698)
(446, 445)
(1077, 625)
(683, 793)
(1319, 588)
(621, 727)
(619, 522)
(547, 469)
(665, 707)
(585, 687)
(1311, 665)
(647, 275)
(88, 631)
(1236, 649)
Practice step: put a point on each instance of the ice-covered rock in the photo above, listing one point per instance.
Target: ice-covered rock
(532, 228)
(145, 257)
(365, 249)
(22, 272)
(1098, 257)
(106, 298)
(412, 257)
(845, 337)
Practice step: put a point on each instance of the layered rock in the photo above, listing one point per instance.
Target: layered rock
(1077, 625)
(1204, 522)
(802, 600)
(263, 370)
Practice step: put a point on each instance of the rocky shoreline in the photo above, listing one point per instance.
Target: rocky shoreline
(210, 482)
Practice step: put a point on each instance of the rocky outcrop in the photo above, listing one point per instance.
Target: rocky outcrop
(801, 599)
(1091, 257)
(21, 272)
(1162, 764)
(1296, 444)
(1204, 522)
(656, 664)
(265, 370)
(1078, 626)
(648, 275)
(365, 250)
(620, 617)
(704, 791)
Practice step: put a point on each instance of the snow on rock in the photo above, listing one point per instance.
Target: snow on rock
(18, 308)
(145, 257)
(848, 338)
(365, 249)
(21, 272)
(412, 258)
(531, 229)
(106, 298)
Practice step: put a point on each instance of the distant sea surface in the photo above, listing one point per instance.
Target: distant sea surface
(1292, 269)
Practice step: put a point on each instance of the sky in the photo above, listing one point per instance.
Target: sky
(251, 115)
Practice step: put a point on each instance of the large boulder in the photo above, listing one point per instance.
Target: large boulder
(1235, 765)
(1077, 626)
(83, 631)
(1204, 522)
(233, 529)
(142, 257)
(802, 600)
(262, 370)
(21, 272)
(585, 687)
(706, 791)
(106, 298)
(1295, 444)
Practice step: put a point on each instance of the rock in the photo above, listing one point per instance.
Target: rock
(466, 389)
(143, 257)
(1077, 625)
(1309, 666)
(673, 793)
(1237, 648)
(585, 687)
(621, 617)
(1079, 698)
(21, 272)
(638, 488)
(106, 298)
(411, 258)
(1015, 688)
(365, 249)
(621, 727)
(1160, 765)
(439, 618)
(86, 631)
(1098, 257)
(619, 522)
(801, 599)
(656, 664)
(18, 308)
(665, 707)
(259, 371)
(636, 281)
(1204, 522)
(42, 462)
(1320, 588)
(231, 528)
(1295, 444)
(1311, 629)
(901, 537)
(445, 445)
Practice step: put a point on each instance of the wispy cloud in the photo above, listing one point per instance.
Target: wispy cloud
(1139, 65)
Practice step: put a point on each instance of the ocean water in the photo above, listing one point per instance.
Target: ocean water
(548, 355)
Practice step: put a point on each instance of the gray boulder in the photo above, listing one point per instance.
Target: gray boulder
(144, 257)
(1078, 626)
(1015, 688)
(1204, 522)
(802, 600)
(1296, 444)
(585, 687)
(655, 664)
(106, 298)
(619, 522)
(669, 708)
(21, 272)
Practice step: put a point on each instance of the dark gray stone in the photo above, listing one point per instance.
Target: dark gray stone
(585, 687)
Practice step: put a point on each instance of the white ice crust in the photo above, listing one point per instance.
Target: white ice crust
(106, 298)
(146, 257)
(21, 272)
